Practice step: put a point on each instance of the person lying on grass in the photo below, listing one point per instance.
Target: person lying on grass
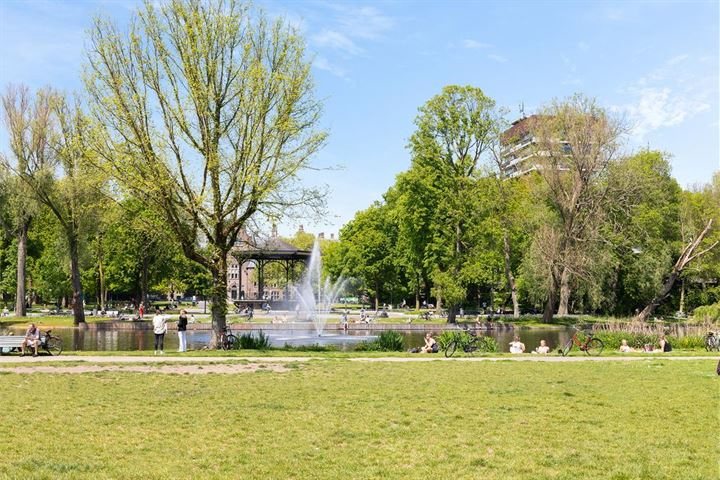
(624, 347)
(543, 349)
(32, 339)
(431, 345)
(516, 346)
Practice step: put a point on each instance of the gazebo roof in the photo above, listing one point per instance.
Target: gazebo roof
(271, 248)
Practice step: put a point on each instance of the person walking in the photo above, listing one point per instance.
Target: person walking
(159, 328)
(182, 331)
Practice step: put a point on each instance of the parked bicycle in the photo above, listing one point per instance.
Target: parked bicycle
(590, 345)
(469, 343)
(712, 342)
(228, 341)
(51, 343)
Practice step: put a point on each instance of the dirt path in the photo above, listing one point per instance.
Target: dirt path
(145, 359)
(168, 369)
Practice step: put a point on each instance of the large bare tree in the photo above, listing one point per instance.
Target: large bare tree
(207, 115)
(30, 126)
(574, 142)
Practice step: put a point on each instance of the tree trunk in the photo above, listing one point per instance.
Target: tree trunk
(452, 315)
(510, 277)
(564, 293)
(664, 291)
(218, 297)
(377, 295)
(549, 308)
(417, 293)
(20, 310)
(438, 303)
(681, 308)
(103, 293)
(144, 282)
(77, 301)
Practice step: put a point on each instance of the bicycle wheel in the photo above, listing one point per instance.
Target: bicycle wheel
(232, 342)
(450, 349)
(53, 346)
(594, 347)
(566, 349)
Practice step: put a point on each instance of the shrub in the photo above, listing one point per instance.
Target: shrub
(484, 343)
(390, 341)
(387, 341)
(251, 341)
(612, 340)
(707, 313)
(311, 348)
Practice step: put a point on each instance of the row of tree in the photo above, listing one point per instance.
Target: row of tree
(588, 229)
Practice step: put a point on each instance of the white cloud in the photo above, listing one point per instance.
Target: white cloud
(661, 107)
(474, 44)
(583, 46)
(667, 96)
(363, 22)
(497, 58)
(323, 63)
(337, 41)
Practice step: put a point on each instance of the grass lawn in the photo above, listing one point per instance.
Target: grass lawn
(654, 419)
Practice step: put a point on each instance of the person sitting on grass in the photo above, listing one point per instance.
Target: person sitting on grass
(624, 347)
(516, 346)
(431, 345)
(32, 339)
(543, 349)
(664, 345)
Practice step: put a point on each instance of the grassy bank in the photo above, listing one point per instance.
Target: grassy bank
(338, 419)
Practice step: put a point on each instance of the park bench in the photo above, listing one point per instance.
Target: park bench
(8, 343)
(48, 342)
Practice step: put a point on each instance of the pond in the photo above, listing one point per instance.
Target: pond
(137, 340)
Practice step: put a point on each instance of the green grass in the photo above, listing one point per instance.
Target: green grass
(337, 419)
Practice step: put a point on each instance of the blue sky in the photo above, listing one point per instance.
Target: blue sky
(375, 63)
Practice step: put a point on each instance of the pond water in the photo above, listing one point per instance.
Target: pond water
(135, 340)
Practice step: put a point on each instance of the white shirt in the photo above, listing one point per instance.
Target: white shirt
(517, 347)
(159, 325)
(542, 349)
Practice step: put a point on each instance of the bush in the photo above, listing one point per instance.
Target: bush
(250, 341)
(387, 341)
(707, 313)
(311, 348)
(390, 341)
(612, 340)
(485, 344)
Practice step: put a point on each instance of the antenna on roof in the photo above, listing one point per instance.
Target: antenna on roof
(521, 107)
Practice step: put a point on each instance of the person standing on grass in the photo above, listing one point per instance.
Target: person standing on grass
(159, 328)
(141, 310)
(182, 331)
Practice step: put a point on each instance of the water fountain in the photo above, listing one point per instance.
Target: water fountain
(316, 296)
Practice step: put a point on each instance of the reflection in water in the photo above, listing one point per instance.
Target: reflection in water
(137, 340)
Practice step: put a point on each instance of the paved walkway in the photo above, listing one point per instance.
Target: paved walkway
(177, 359)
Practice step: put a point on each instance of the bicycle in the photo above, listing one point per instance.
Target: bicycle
(228, 341)
(591, 346)
(51, 344)
(712, 342)
(468, 346)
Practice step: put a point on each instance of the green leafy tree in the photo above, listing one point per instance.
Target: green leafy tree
(454, 130)
(208, 117)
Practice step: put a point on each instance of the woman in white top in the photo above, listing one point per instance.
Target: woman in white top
(624, 347)
(516, 346)
(159, 328)
(543, 349)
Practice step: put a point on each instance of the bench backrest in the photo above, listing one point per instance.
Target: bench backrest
(11, 340)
